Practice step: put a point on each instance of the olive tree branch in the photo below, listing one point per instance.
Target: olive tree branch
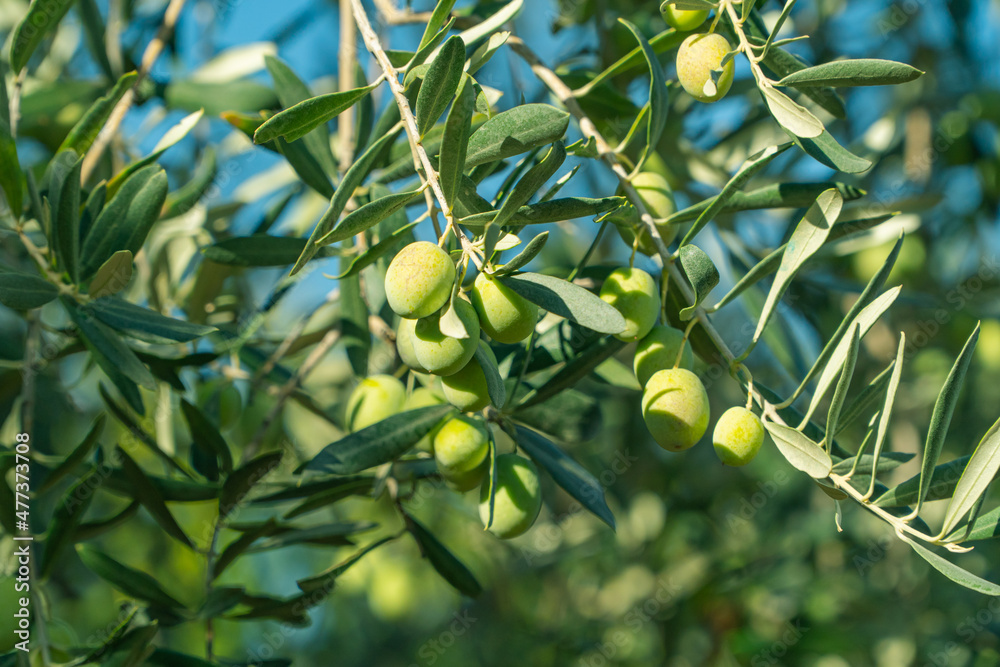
(149, 57)
(348, 58)
(430, 174)
(770, 411)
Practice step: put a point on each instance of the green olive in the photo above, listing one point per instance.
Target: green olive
(517, 499)
(404, 344)
(441, 354)
(467, 389)
(634, 293)
(424, 397)
(738, 436)
(658, 350)
(675, 408)
(658, 198)
(374, 399)
(419, 279)
(461, 449)
(698, 56)
(684, 20)
(506, 316)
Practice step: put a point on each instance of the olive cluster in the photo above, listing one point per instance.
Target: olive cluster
(419, 284)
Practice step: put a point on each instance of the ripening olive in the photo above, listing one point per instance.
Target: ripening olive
(461, 449)
(505, 315)
(675, 408)
(684, 20)
(658, 350)
(441, 354)
(404, 344)
(634, 294)
(424, 397)
(466, 389)
(738, 436)
(658, 198)
(419, 280)
(374, 399)
(517, 500)
(697, 58)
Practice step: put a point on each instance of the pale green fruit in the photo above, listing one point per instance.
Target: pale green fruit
(658, 198)
(419, 280)
(738, 436)
(675, 408)
(505, 315)
(424, 397)
(684, 20)
(444, 355)
(698, 56)
(517, 500)
(404, 344)
(374, 399)
(658, 350)
(466, 389)
(634, 293)
(461, 449)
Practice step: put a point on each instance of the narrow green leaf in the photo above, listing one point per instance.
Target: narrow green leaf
(888, 462)
(83, 134)
(325, 580)
(865, 320)
(171, 138)
(861, 72)
(65, 229)
(440, 83)
(126, 220)
(439, 16)
(750, 168)
(485, 52)
(92, 529)
(567, 300)
(808, 237)
(659, 101)
(794, 118)
(113, 276)
(944, 479)
(668, 40)
(42, 17)
(800, 451)
(109, 351)
(151, 499)
(379, 443)
(701, 273)
(207, 436)
(76, 457)
(428, 46)
(369, 215)
(952, 571)
(372, 254)
(132, 582)
(524, 257)
(455, 140)
(239, 484)
(306, 165)
(354, 176)
(494, 381)
(326, 534)
(980, 471)
(776, 195)
(237, 547)
(567, 473)
(840, 393)
(944, 408)
(527, 187)
(22, 291)
(516, 131)
(65, 520)
(866, 399)
(890, 399)
(262, 250)
(301, 119)
(95, 34)
(143, 323)
(292, 90)
(575, 370)
(553, 210)
(985, 527)
(444, 561)
(11, 177)
(826, 150)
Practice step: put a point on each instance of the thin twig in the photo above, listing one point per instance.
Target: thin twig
(420, 153)
(345, 75)
(149, 57)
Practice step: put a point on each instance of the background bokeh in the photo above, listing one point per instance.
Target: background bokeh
(709, 565)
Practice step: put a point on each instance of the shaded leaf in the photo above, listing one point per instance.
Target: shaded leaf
(444, 561)
(567, 300)
(979, 472)
(516, 131)
(701, 273)
(132, 582)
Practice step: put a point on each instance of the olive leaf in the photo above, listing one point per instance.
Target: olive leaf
(440, 83)
(860, 72)
(978, 474)
(567, 300)
(701, 273)
(301, 119)
(800, 451)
